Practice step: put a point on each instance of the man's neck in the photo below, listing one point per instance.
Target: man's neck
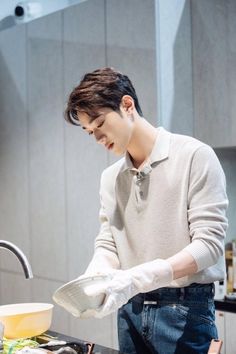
(142, 142)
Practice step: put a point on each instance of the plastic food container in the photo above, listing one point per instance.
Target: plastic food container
(25, 320)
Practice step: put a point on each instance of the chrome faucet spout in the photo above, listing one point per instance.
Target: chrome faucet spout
(20, 255)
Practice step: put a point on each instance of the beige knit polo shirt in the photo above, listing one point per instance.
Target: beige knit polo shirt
(177, 201)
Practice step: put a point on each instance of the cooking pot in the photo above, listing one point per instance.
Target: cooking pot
(25, 320)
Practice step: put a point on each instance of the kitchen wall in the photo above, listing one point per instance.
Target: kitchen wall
(213, 66)
(49, 170)
(32, 10)
(174, 63)
(195, 47)
(227, 158)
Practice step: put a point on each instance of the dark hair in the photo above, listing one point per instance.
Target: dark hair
(102, 88)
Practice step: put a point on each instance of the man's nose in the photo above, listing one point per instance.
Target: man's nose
(100, 137)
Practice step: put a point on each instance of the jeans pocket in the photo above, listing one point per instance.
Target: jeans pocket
(196, 313)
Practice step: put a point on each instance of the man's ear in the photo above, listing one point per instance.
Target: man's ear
(127, 104)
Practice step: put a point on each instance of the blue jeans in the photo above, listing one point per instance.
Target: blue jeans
(168, 321)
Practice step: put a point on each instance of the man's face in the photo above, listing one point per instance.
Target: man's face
(112, 129)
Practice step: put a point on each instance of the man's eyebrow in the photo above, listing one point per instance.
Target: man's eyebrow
(93, 119)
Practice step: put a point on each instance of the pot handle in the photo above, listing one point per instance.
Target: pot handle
(90, 348)
(215, 346)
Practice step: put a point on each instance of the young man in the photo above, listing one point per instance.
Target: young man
(162, 218)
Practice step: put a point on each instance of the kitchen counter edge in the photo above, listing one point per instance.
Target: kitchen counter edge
(97, 348)
(226, 305)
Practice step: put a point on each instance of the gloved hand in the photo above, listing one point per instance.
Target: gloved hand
(102, 262)
(71, 295)
(127, 283)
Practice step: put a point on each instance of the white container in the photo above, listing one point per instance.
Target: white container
(25, 320)
(73, 297)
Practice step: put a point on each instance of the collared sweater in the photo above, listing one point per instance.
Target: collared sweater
(176, 201)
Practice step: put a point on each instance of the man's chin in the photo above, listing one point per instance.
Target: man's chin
(117, 152)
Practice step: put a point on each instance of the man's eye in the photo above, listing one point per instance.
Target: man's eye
(88, 131)
(100, 124)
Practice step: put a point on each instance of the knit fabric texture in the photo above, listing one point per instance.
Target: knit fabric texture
(176, 201)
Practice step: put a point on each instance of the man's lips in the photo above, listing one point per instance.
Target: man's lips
(109, 146)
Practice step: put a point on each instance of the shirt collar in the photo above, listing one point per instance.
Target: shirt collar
(159, 152)
(161, 147)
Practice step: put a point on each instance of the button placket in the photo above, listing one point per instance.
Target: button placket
(138, 191)
(140, 180)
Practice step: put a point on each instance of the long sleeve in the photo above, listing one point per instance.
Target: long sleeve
(105, 255)
(207, 204)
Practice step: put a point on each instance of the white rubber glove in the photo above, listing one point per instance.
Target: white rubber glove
(102, 262)
(127, 283)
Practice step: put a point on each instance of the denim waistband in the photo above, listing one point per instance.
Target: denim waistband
(192, 292)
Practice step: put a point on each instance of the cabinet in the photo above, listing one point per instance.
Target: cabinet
(230, 338)
(226, 324)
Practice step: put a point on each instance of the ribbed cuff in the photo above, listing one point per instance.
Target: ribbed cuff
(201, 253)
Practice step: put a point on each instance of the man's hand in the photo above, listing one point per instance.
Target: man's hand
(127, 283)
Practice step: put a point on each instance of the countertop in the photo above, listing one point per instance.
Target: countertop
(98, 349)
(226, 305)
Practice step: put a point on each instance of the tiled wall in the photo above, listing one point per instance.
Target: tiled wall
(50, 171)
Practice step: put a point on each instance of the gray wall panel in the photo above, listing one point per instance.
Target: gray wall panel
(84, 50)
(174, 65)
(211, 95)
(214, 74)
(46, 146)
(14, 288)
(13, 145)
(131, 48)
(228, 160)
(84, 41)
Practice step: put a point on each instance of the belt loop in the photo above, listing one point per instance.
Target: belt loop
(182, 294)
(213, 289)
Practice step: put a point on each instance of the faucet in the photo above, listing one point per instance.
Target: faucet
(20, 255)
